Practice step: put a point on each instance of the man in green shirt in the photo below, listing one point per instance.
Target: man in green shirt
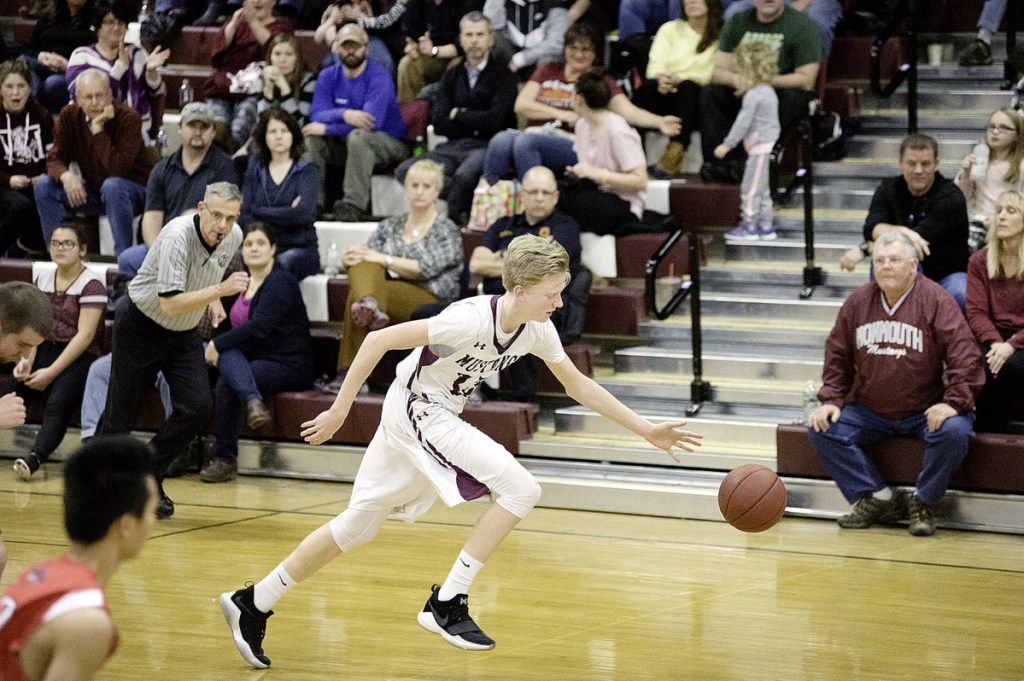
(797, 41)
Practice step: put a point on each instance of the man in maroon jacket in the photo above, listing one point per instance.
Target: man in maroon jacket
(900, 361)
(104, 138)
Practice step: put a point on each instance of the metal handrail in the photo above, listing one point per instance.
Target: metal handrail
(908, 70)
(700, 390)
(804, 178)
(1010, 75)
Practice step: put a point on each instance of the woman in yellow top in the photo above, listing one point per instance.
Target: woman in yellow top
(680, 63)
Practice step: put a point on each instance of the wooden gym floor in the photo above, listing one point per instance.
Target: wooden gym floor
(570, 595)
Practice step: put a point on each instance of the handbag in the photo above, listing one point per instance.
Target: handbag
(501, 199)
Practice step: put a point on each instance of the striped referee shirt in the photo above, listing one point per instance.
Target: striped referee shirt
(179, 261)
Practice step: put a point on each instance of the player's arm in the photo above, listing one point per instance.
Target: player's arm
(666, 436)
(399, 337)
(81, 642)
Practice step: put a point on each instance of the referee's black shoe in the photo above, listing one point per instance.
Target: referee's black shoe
(164, 507)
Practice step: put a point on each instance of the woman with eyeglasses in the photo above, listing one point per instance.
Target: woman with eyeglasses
(995, 312)
(26, 120)
(1004, 137)
(56, 370)
(133, 74)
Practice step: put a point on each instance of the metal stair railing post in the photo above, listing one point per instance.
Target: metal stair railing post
(804, 178)
(908, 70)
(1010, 74)
(700, 390)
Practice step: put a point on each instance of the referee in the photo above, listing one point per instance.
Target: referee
(156, 330)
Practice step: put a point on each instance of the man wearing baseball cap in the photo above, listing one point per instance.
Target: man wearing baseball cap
(178, 181)
(354, 121)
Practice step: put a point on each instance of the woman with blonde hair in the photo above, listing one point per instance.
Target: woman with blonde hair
(410, 260)
(1004, 137)
(995, 312)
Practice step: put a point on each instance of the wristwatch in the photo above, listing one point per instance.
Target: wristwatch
(433, 51)
(865, 248)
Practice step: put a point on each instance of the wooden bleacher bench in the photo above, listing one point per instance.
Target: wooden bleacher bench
(994, 463)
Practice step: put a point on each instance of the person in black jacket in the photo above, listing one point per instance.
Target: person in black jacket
(929, 209)
(474, 102)
(267, 350)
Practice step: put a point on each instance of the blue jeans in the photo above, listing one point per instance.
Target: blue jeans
(48, 87)
(956, 284)
(992, 14)
(97, 383)
(841, 450)
(645, 16)
(119, 199)
(241, 381)
(300, 262)
(130, 259)
(511, 153)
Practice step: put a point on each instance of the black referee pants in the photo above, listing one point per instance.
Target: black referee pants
(141, 349)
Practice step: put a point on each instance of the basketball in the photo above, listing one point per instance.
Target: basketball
(752, 498)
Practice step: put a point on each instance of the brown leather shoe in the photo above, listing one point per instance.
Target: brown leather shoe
(219, 470)
(256, 414)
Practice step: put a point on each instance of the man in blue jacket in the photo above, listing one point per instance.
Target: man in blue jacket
(354, 121)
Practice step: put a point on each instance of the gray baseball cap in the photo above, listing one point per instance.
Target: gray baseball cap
(197, 111)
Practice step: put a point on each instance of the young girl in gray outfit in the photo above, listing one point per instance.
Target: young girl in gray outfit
(757, 126)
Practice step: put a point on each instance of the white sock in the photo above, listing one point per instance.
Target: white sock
(276, 584)
(985, 36)
(884, 494)
(462, 575)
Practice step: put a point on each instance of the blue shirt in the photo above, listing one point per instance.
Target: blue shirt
(372, 91)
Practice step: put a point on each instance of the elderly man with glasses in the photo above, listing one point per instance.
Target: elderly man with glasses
(900, 361)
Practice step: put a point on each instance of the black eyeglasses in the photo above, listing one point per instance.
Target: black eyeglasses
(64, 245)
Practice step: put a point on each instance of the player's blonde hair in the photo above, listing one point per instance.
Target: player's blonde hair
(531, 259)
(756, 62)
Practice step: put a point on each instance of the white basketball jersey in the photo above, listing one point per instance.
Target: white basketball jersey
(466, 345)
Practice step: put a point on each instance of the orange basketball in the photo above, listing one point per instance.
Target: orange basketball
(752, 498)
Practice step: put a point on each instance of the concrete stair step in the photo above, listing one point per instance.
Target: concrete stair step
(969, 99)
(786, 283)
(828, 198)
(788, 250)
(717, 332)
(747, 432)
(793, 365)
(760, 308)
(875, 146)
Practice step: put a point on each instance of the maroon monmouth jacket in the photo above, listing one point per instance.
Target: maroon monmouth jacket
(116, 151)
(901, 361)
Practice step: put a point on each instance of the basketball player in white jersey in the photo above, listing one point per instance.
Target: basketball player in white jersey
(423, 450)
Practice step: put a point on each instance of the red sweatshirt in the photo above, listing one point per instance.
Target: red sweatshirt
(995, 307)
(116, 151)
(891, 359)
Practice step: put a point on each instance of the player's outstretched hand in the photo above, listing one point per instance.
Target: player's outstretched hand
(671, 436)
(323, 427)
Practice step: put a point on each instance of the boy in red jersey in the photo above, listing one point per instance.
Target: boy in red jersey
(54, 620)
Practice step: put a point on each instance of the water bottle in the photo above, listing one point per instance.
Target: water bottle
(810, 400)
(333, 260)
(161, 141)
(420, 147)
(184, 93)
(980, 167)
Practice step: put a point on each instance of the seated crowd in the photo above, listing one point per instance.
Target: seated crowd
(579, 162)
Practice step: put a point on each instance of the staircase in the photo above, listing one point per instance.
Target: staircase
(761, 342)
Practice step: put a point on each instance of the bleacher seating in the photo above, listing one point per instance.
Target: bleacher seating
(992, 463)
